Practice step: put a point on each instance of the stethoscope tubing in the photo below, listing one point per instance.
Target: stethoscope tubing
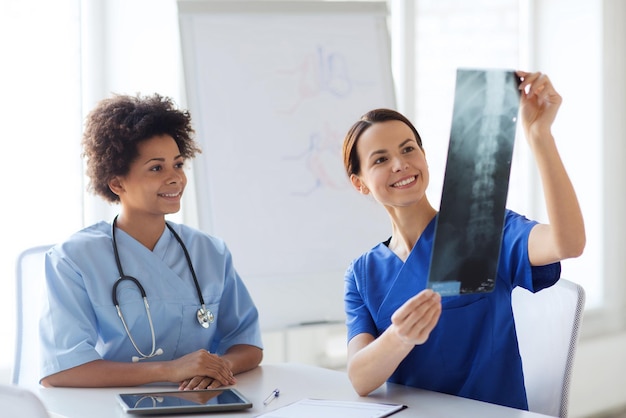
(204, 316)
(189, 263)
(153, 351)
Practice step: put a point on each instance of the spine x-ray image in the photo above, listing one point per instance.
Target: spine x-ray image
(471, 215)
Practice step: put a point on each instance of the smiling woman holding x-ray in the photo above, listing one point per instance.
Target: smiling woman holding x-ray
(402, 332)
(142, 300)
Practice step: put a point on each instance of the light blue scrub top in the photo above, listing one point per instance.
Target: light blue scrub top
(80, 323)
(472, 351)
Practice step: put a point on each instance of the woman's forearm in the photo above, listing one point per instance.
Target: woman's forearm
(374, 361)
(565, 234)
(103, 373)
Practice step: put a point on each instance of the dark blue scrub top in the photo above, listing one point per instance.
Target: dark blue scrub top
(472, 352)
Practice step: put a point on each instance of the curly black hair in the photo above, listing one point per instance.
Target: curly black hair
(118, 124)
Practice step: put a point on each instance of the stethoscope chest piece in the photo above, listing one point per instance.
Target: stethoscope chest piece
(205, 317)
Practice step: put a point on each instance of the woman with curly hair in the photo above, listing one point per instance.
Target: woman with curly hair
(141, 299)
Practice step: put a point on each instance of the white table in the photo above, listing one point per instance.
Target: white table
(295, 382)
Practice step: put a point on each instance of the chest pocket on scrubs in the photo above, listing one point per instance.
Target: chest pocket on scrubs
(191, 336)
(465, 333)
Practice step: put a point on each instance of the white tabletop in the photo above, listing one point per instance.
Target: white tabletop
(295, 382)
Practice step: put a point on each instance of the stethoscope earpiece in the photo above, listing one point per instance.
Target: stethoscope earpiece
(205, 317)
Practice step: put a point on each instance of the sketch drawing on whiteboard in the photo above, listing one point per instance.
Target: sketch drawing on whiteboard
(319, 72)
(322, 159)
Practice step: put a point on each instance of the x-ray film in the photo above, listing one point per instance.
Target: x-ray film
(471, 215)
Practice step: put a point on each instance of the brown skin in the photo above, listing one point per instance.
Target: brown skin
(148, 187)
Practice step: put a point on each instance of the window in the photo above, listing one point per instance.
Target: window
(557, 48)
(64, 56)
(432, 38)
(41, 109)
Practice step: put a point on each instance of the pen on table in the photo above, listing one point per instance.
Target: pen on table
(275, 393)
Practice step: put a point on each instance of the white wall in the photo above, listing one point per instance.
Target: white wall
(599, 379)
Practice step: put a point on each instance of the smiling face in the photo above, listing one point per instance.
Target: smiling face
(393, 166)
(155, 181)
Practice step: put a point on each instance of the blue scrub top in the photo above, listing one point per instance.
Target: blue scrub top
(472, 351)
(80, 323)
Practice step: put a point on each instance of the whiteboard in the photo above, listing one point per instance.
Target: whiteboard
(272, 88)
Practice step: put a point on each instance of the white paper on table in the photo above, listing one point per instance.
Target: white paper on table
(307, 408)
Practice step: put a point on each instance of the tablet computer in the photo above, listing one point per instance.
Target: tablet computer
(183, 401)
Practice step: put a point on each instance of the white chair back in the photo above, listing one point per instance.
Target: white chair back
(547, 324)
(30, 287)
(16, 402)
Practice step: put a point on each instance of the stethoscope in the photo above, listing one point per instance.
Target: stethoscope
(205, 317)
